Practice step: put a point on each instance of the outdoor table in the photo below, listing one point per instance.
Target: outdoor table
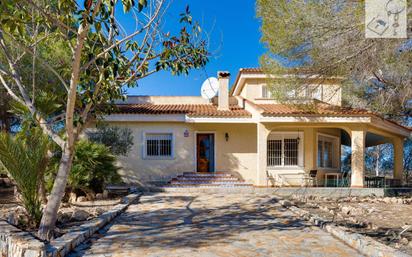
(375, 181)
(336, 175)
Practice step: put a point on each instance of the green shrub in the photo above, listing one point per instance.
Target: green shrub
(93, 167)
(24, 157)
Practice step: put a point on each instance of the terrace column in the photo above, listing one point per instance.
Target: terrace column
(358, 158)
(262, 135)
(398, 158)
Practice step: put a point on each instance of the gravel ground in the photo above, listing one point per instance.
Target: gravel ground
(380, 218)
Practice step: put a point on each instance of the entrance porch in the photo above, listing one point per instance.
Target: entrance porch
(307, 153)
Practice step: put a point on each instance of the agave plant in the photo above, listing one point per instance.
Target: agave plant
(24, 158)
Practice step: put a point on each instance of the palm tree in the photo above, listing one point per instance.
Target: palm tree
(24, 157)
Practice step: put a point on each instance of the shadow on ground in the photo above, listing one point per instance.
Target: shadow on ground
(188, 224)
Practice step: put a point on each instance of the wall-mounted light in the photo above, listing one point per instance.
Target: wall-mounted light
(227, 136)
(186, 133)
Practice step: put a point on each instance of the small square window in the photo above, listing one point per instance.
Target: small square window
(159, 145)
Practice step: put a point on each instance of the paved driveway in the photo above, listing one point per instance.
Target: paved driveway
(212, 225)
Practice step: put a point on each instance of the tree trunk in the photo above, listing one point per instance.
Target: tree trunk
(42, 190)
(50, 212)
(378, 154)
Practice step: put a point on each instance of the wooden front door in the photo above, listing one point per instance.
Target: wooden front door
(205, 152)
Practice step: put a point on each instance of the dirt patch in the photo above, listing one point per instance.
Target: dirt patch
(386, 219)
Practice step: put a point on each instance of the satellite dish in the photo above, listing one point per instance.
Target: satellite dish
(210, 88)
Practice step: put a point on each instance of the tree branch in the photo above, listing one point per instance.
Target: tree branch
(153, 18)
(71, 97)
(9, 91)
(26, 99)
(50, 17)
(43, 62)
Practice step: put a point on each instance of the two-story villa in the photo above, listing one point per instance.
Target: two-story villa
(245, 132)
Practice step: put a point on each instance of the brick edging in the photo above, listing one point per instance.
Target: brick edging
(364, 244)
(66, 243)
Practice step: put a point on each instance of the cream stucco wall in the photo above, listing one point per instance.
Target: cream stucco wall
(327, 92)
(237, 155)
(136, 169)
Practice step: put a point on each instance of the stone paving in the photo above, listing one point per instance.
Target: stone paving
(206, 225)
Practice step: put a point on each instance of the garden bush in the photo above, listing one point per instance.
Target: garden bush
(93, 167)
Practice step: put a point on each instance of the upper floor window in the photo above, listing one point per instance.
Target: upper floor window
(314, 92)
(158, 145)
(266, 92)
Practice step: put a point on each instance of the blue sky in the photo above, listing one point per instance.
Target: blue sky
(234, 38)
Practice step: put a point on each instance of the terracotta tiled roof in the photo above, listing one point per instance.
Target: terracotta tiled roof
(323, 109)
(254, 70)
(320, 108)
(195, 110)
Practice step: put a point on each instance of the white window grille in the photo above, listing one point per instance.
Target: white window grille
(327, 150)
(284, 150)
(159, 144)
(291, 152)
(274, 153)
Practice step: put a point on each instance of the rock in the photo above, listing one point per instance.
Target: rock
(371, 210)
(81, 199)
(324, 208)
(98, 211)
(404, 241)
(91, 197)
(410, 244)
(18, 216)
(353, 220)
(346, 210)
(72, 197)
(105, 194)
(285, 203)
(357, 211)
(12, 218)
(99, 196)
(354, 211)
(387, 200)
(79, 215)
(406, 226)
(372, 226)
(64, 217)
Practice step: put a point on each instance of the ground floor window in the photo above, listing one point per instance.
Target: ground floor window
(158, 145)
(284, 149)
(327, 151)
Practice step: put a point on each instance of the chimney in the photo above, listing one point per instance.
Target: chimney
(223, 99)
